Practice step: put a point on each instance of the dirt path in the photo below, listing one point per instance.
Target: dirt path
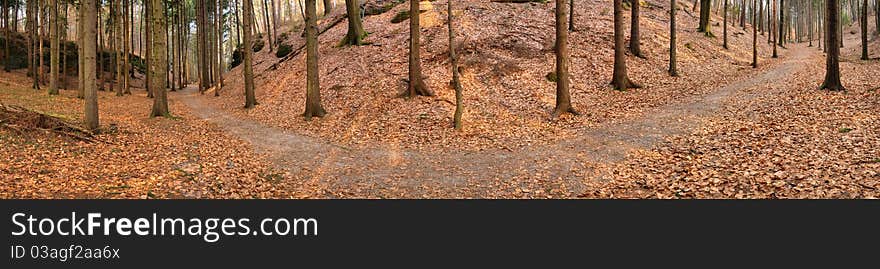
(559, 169)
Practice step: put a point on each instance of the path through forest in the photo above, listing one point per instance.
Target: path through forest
(383, 170)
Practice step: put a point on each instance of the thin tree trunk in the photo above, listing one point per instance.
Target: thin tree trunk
(88, 11)
(328, 5)
(773, 31)
(864, 23)
(705, 13)
(563, 94)
(268, 27)
(456, 80)
(248, 49)
(725, 24)
(619, 79)
(313, 88)
(571, 12)
(673, 70)
(218, 69)
(54, 47)
(754, 34)
(416, 83)
(634, 39)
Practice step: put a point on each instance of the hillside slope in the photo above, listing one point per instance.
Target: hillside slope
(506, 52)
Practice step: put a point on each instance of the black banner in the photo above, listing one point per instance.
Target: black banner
(431, 233)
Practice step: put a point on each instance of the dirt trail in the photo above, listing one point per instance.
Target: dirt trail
(389, 170)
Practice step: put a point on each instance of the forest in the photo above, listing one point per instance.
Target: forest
(467, 99)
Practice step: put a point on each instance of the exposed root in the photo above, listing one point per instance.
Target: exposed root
(23, 120)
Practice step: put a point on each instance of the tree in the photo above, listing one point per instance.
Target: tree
(88, 15)
(773, 31)
(571, 16)
(313, 88)
(725, 24)
(54, 51)
(754, 34)
(6, 36)
(416, 83)
(832, 64)
(673, 71)
(356, 33)
(268, 25)
(328, 5)
(456, 81)
(119, 32)
(619, 78)
(705, 13)
(250, 99)
(781, 37)
(864, 23)
(634, 39)
(218, 68)
(159, 63)
(563, 95)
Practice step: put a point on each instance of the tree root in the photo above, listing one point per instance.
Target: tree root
(23, 120)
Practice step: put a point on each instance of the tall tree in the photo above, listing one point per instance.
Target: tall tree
(218, 68)
(118, 35)
(781, 37)
(313, 88)
(563, 95)
(725, 24)
(6, 37)
(864, 23)
(571, 27)
(619, 79)
(328, 5)
(832, 64)
(416, 83)
(248, 49)
(159, 55)
(268, 26)
(456, 80)
(773, 31)
(705, 13)
(634, 40)
(754, 34)
(673, 70)
(88, 15)
(54, 51)
(356, 33)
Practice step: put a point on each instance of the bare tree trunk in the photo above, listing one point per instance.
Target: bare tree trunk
(832, 64)
(328, 6)
(571, 27)
(781, 37)
(619, 79)
(725, 24)
(313, 88)
(88, 15)
(773, 31)
(248, 51)
(456, 80)
(120, 48)
(416, 84)
(864, 23)
(705, 13)
(673, 70)
(268, 26)
(54, 47)
(563, 94)
(356, 33)
(148, 40)
(754, 34)
(634, 39)
(160, 64)
(218, 69)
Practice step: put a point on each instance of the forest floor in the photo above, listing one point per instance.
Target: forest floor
(722, 130)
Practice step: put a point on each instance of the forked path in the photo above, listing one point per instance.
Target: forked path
(381, 171)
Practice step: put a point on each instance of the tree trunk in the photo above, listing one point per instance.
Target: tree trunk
(356, 33)
(773, 31)
(563, 94)
(120, 48)
(456, 80)
(619, 79)
(832, 64)
(274, 20)
(328, 6)
(634, 39)
(864, 23)
(54, 51)
(416, 84)
(810, 22)
(218, 68)
(6, 37)
(159, 65)
(268, 27)
(148, 45)
(705, 12)
(313, 88)
(571, 27)
(248, 49)
(781, 37)
(725, 25)
(754, 34)
(673, 70)
(88, 15)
